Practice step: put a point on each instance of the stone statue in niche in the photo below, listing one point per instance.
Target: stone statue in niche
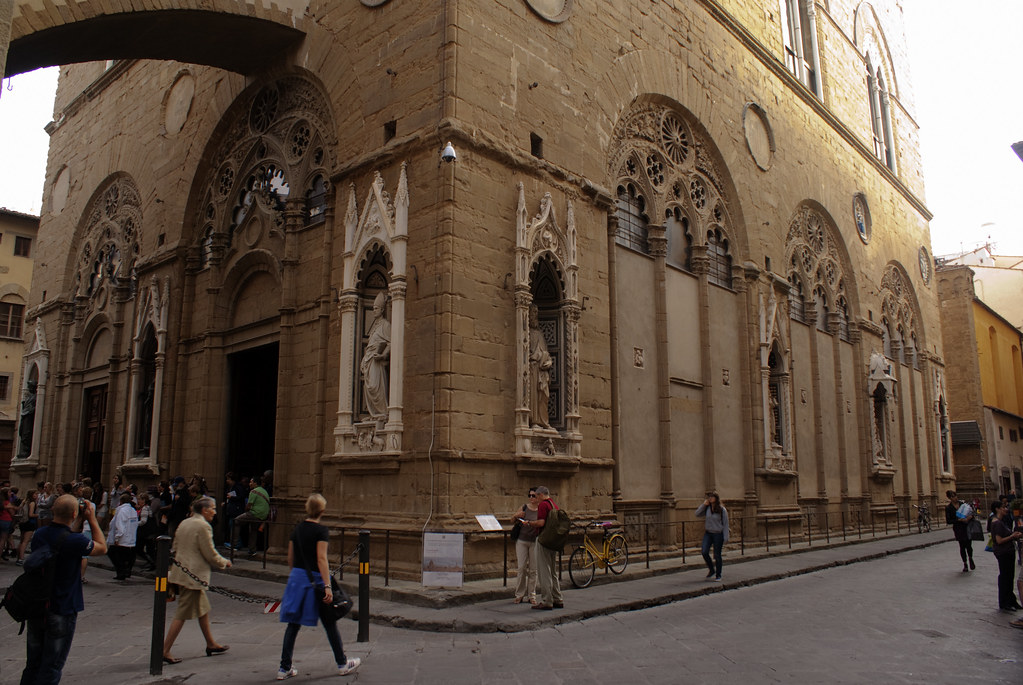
(28, 419)
(375, 361)
(540, 363)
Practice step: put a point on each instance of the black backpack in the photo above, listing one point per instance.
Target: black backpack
(28, 596)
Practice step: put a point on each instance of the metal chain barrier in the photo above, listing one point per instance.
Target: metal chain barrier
(253, 599)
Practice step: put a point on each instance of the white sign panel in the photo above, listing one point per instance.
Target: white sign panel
(488, 522)
(442, 559)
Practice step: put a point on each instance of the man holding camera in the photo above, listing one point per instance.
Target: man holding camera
(49, 638)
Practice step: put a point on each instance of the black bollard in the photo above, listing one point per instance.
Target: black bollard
(163, 544)
(363, 586)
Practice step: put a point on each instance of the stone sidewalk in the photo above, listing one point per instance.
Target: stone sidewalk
(113, 637)
(485, 606)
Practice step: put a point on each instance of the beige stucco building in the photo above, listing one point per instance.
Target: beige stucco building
(17, 242)
(681, 247)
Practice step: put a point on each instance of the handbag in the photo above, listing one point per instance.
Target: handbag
(517, 528)
(340, 603)
(975, 530)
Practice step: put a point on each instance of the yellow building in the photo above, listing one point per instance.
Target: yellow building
(17, 244)
(985, 376)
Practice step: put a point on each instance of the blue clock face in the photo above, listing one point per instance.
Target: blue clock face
(551, 10)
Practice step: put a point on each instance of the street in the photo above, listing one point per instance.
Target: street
(912, 617)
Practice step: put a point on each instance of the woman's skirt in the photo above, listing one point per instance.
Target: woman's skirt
(299, 602)
(191, 604)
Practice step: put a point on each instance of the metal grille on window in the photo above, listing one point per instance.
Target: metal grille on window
(720, 263)
(632, 222)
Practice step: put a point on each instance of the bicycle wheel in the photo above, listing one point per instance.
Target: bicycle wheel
(617, 553)
(581, 567)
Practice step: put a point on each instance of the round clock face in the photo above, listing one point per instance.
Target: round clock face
(925, 265)
(551, 10)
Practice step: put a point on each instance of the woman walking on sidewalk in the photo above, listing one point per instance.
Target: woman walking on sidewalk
(193, 549)
(958, 515)
(307, 558)
(715, 532)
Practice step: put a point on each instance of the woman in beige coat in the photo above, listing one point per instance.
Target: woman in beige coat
(193, 549)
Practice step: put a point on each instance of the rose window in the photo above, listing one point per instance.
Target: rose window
(674, 139)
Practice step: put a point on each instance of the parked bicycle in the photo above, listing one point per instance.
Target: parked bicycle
(613, 554)
(923, 518)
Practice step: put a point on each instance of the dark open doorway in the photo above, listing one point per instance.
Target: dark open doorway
(252, 412)
(91, 462)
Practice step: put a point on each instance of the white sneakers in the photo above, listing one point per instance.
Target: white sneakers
(350, 667)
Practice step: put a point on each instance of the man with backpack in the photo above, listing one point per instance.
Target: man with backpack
(548, 589)
(49, 637)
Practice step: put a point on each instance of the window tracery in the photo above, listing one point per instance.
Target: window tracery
(899, 315)
(109, 244)
(662, 168)
(816, 265)
(280, 135)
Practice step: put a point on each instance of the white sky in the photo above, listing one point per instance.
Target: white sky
(965, 79)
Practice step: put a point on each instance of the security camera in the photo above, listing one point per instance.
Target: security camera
(448, 153)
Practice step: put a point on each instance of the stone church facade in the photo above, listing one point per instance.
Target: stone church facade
(681, 248)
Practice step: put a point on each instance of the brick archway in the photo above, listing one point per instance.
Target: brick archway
(243, 36)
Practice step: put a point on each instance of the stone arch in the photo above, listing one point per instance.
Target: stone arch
(251, 264)
(873, 45)
(899, 302)
(281, 127)
(667, 152)
(261, 32)
(106, 243)
(817, 255)
(14, 290)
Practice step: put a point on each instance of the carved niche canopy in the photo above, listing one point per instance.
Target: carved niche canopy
(538, 449)
(381, 227)
(109, 246)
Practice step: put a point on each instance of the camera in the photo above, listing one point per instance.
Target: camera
(448, 153)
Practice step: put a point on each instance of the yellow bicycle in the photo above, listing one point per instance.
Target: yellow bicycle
(588, 557)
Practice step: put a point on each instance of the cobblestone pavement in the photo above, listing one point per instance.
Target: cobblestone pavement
(911, 617)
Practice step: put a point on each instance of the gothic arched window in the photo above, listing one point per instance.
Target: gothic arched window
(680, 240)
(719, 261)
(632, 219)
(797, 301)
(316, 201)
(820, 304)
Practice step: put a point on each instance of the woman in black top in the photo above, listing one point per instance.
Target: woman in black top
(1005, 553)
(307, 557)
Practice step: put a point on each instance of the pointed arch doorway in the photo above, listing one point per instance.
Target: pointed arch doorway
(252, 409)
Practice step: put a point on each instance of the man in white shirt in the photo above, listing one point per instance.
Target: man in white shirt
(121, 538)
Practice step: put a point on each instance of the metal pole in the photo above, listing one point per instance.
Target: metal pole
(363, 586)
(159, 605)
(809, 532)
(387, 557)
(646, 534)
(505, 537)
(683, 542)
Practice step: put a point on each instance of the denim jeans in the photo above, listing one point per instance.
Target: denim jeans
(49, 641)
(718, 540)
(333, 637)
